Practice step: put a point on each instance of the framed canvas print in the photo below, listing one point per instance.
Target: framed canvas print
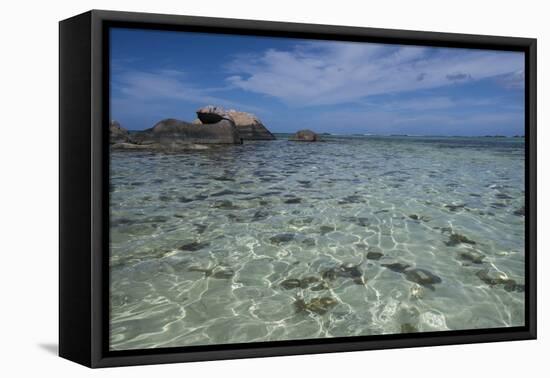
(234, 188)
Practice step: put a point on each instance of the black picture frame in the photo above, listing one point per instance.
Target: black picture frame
(83, 181)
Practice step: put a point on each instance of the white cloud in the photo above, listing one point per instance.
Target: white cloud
(514, 80)
(150, 87)
(325, 73)
(425, 103)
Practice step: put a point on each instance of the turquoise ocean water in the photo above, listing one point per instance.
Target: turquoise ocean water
(282, 240)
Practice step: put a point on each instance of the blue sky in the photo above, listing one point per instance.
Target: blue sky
(326, 86)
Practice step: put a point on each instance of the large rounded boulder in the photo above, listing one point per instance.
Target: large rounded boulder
(248, 125)
(305, 136)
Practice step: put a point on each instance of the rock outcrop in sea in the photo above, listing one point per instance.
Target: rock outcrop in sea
(117, 133)
(170, 131)
(248, 125)
(172, 135)
(305, 136)
(214, 126)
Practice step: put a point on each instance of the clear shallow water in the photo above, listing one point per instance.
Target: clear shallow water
(279, 240)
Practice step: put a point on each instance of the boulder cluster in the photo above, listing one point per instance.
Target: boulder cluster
(213, 126)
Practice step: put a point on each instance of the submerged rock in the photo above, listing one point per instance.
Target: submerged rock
(422, 218)
(309, 242)
(225, 205)
(222, 273)
(453, 207)
(500, 279)
(291, 283)
(408, 328)
(194, 246)
(156, 219)
(374, 255)
(422, 277)
(326, 229)
(346, 270)
(305, 136)
(299, 222)
(317, 306)
(200, 227)
(354, 198)
(223, 178)
(520, 212)
(321, 286)
(260, 215)
(225, 192)
(472, 256)
(309, 280)
(329, 274)
(206, 271)
(456, 238)
(293, 200)
(350, 270)
(282, 238)
(485, 277)
(236, 218)
(503, 196)
(359, 221)
(396, 266)
(303, 283)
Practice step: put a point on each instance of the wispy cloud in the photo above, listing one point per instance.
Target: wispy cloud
(458, 76)
(434, 103)
(150, 87)
(513, 80)
(330, 73)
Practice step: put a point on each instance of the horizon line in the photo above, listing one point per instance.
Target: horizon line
(328, 133)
